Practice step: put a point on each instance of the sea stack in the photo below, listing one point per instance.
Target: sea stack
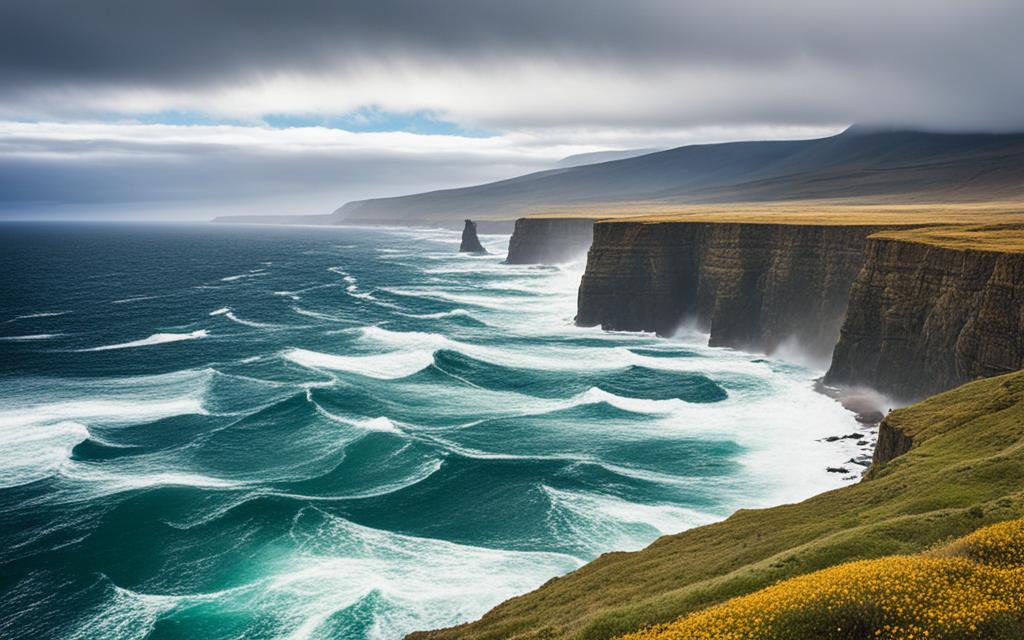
(470, 242)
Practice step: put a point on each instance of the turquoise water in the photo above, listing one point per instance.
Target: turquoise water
(233, 432)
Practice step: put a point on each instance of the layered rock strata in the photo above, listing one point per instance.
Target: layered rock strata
(924, 318)
(549, 240)
(751, 286)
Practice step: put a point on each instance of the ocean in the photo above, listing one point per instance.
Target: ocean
(213, 431)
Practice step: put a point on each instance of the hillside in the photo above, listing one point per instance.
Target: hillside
(965, 470)
(972, 587)
(867, 165)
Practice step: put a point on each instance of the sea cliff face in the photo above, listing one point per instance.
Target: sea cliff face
(753, 286)
(549, 240)
(924, 318)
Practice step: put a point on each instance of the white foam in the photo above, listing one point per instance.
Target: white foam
(243, 276)
(386, 366)
(42, 314)
(134, 299)
(107, 401)
(603, 522)
(416, 583)
(36, 336)
(119, 478)
(230, 315)
(156, 338)
(31, 454)
(319, 316)
(454, 313)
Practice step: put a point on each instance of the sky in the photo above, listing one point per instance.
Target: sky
(196, 108)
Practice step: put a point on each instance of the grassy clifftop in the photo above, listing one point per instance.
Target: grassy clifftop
(970, 588)
(965, 471)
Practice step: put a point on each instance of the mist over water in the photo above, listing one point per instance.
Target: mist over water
(234, 432)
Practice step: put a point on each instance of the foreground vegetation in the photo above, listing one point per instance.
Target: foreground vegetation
(965, 471)
(971, 588)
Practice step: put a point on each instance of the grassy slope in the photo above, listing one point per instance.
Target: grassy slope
(965, 471)
(971, 588)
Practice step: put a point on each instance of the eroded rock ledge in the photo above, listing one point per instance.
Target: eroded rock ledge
(924, 318)
(752, 286)
(549, 240)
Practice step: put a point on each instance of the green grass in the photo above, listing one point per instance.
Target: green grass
(965, 471)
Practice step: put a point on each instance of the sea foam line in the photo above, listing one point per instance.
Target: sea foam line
(156, 338)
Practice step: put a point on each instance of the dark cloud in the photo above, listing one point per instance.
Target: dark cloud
(546, 77)
(940, 62)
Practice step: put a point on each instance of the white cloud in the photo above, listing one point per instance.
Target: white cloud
(203, 170)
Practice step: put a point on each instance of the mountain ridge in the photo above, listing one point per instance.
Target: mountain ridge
(859, 163)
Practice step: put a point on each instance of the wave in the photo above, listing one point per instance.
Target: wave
(408, 352)
(319, 316)
(28, 455)
(242, 276)
(500, 303)
(440, 315)
(116, 480)
(115, 400)
(418, 475)
(36, 336)
(134, 299)
(42, 314)
(156, 338)
(386, 366)
(230, 315)
(602, 522)
(344, 580)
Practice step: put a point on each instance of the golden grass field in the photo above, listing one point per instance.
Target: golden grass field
(970, 588)
(983, 226)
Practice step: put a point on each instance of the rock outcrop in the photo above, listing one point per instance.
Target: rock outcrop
(924, 318)
(470, 241)
(549, 240)
(753, 286)
(892, 442)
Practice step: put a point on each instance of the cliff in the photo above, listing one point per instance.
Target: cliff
(753, 286)
(973, 434)
(470, 241)
(924, 317)
(892, 442)
(549, 240)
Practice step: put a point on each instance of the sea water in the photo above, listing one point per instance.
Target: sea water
(239, 432)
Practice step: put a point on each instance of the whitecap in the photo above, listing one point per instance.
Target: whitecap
(156, 338)
(31, 454)
(243, 276)
(230, 315)
(42, 314)
(602, 522)
(115, 400)
(319, 316)
(36, 336)
(385, 366)
(440, 315)
(381, 424)
(407, 582)
(134, 299)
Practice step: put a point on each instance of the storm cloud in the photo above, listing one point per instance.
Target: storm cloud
(536, 79)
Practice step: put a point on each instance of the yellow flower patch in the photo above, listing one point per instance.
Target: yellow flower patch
(972, 588)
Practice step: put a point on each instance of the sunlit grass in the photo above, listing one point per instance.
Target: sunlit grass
(971, 588)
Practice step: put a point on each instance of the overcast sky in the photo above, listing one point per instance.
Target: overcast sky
(193, 108)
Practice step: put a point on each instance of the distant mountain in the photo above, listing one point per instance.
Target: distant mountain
(861, 162)
(602, 156)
